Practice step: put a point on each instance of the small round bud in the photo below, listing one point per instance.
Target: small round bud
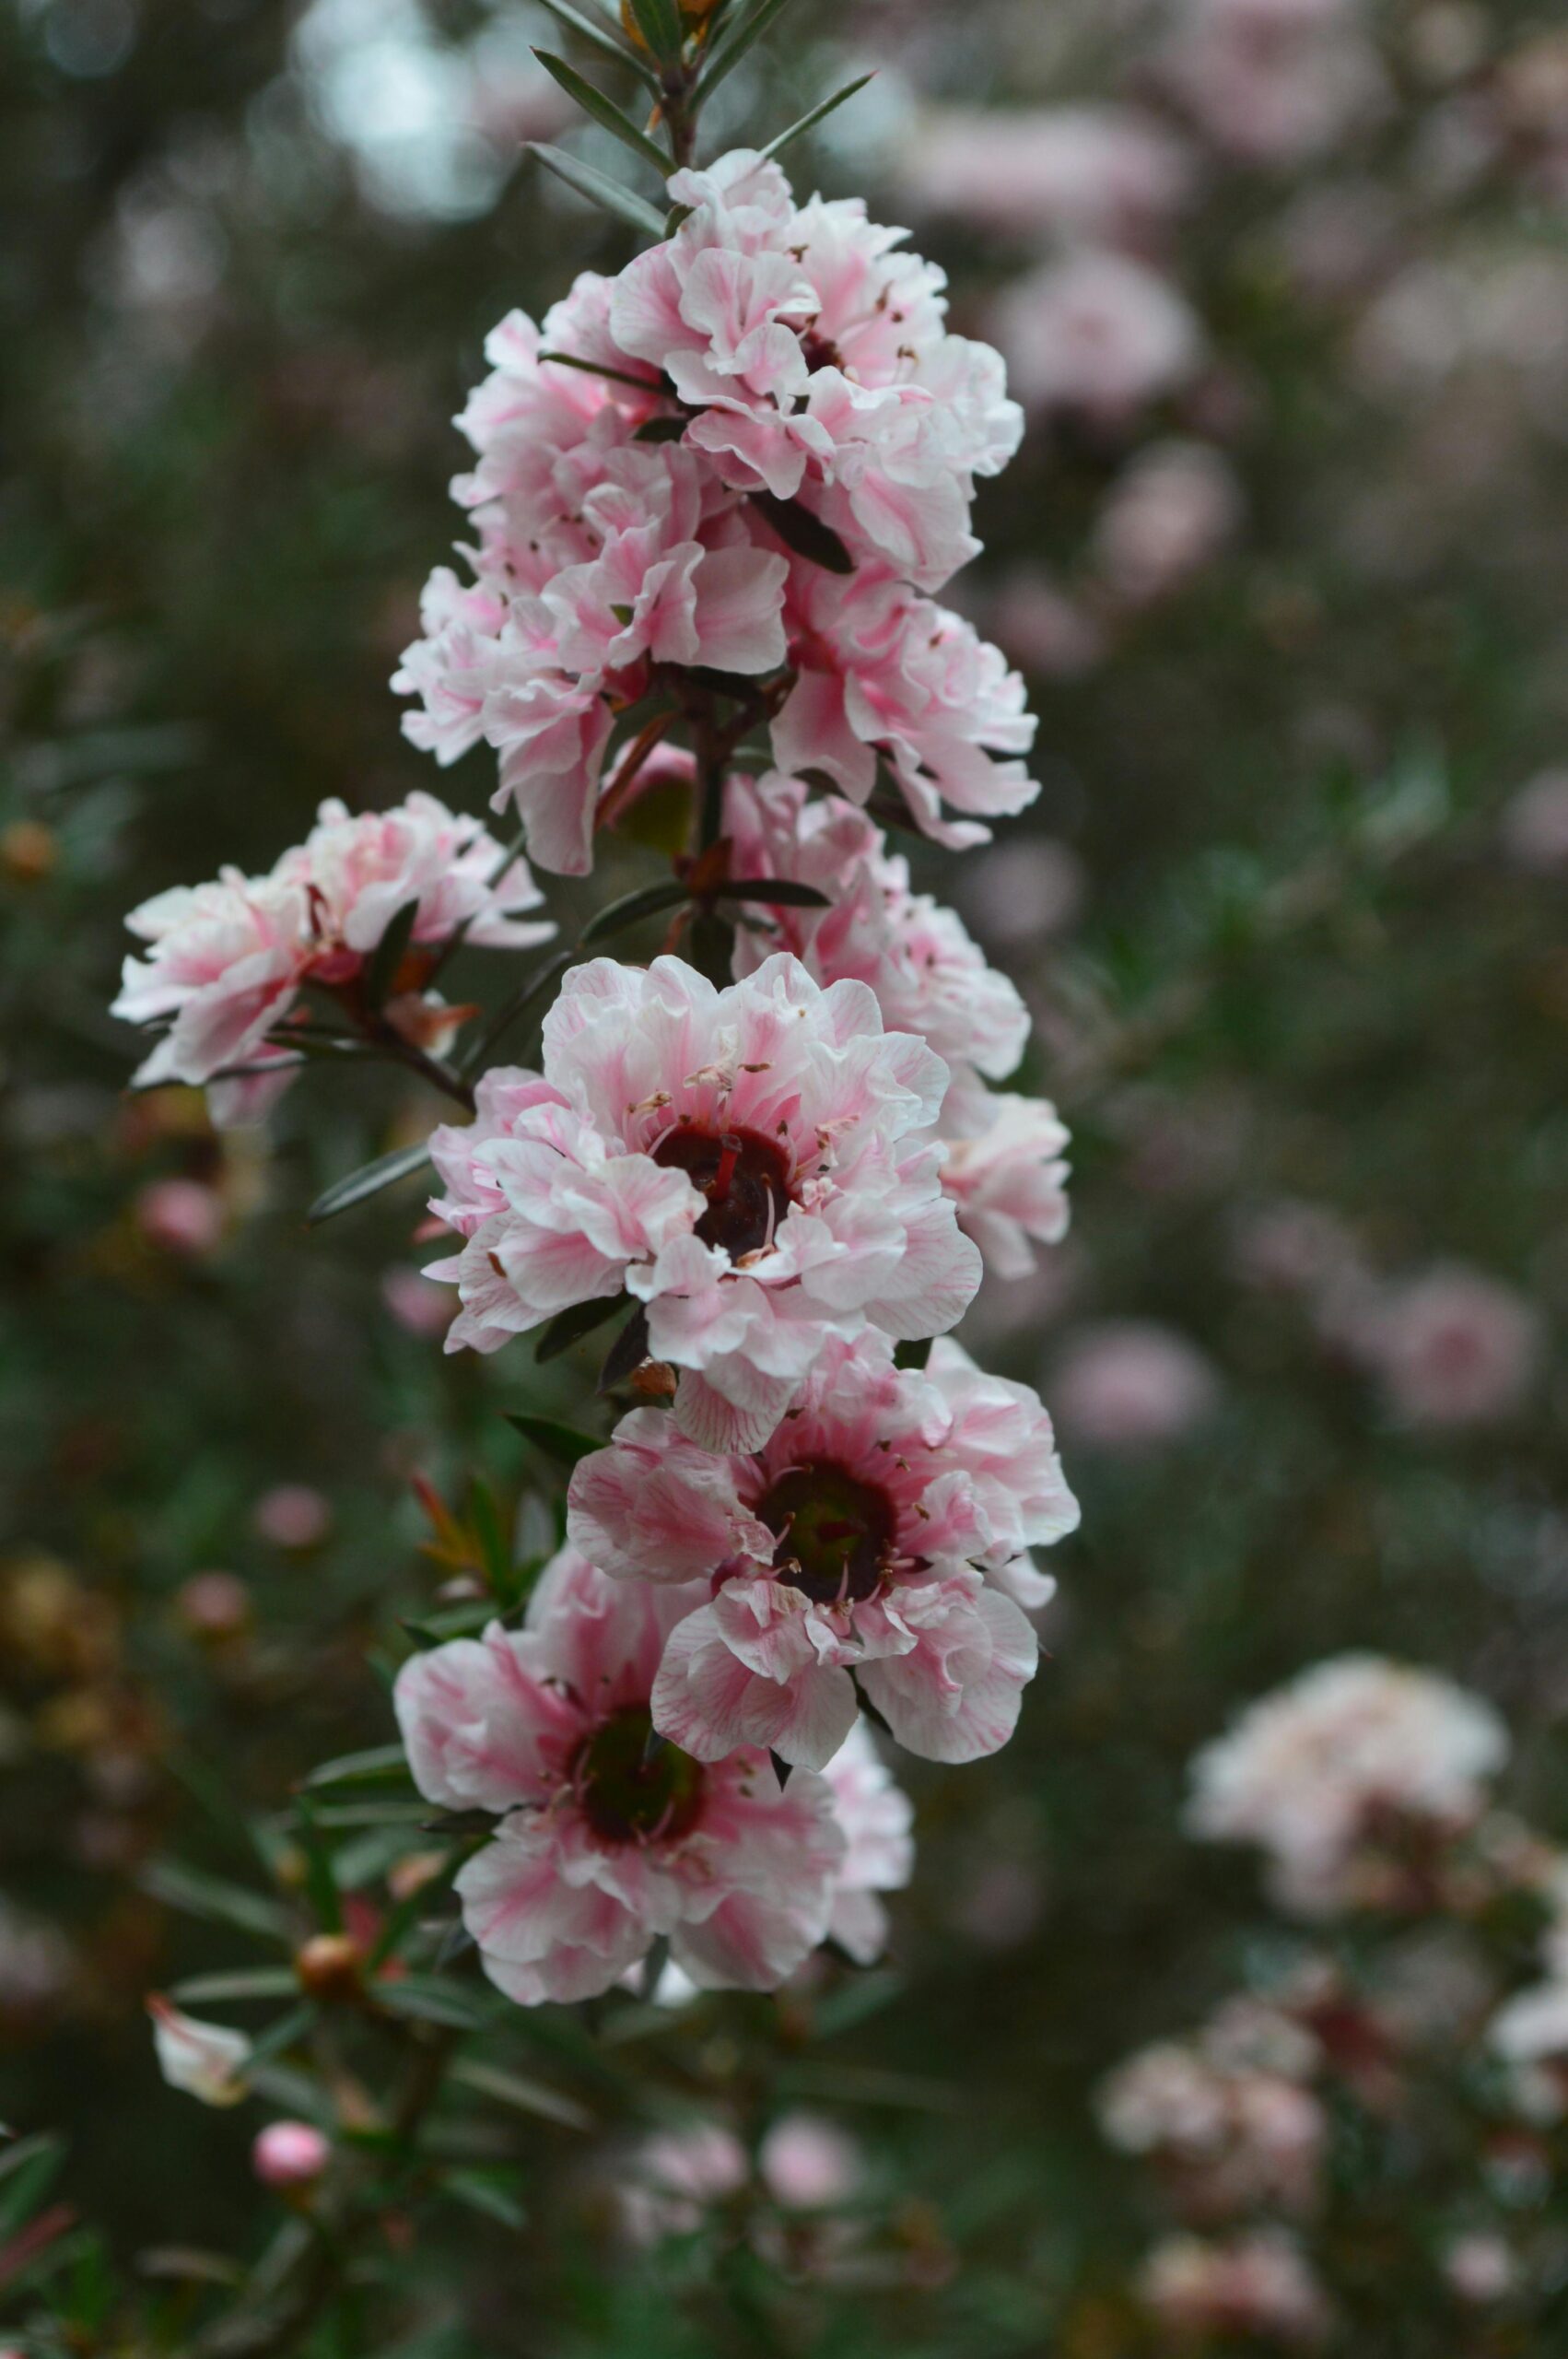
(289, 2156)
(181, 1216)
(328, 1967)
(214, 1607)
(28, 851)
(292, 1516)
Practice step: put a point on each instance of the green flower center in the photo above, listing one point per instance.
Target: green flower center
(836, 1533)
(632, 1790)
(744, 1177)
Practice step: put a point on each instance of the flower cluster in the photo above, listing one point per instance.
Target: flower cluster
(753, 453)
(712, 500)
(227, 961)
(1347, 1777)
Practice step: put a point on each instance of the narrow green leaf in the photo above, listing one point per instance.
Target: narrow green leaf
(561, 1442)
(368, 1181)
(320, 1883)
(510, 1010)
(806, 534)
(451, 1622)
(729, 52)
(526, 2095)
(647, 901)
(378, 1761)
(912, 1354)
(601, 38)
(598, 368)
(628, 1353)
(603, 109)
(230, 1904)
(782, 891)
(570, 1327)
(487, 1520)
(255, 1982)
(659, 22)
(279, 2035)
(485, 2191)
(428, 1999)
(601, 189)
(27, 2170)
(817, 114)
(388, 955)
(661, 429)
(371, 1813)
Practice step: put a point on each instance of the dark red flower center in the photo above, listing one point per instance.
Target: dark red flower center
(744, 1177)
(836, 1533)
(632, 1788)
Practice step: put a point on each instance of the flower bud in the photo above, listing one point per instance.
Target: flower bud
(289, 2156)
(204, 2060)
(328, 1967)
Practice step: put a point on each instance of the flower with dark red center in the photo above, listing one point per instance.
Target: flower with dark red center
(880, 1534)
(608, 1840)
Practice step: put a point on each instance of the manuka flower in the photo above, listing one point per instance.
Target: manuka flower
(228, 959)
(753, 1165)
(884, 1530)
(607, 1841)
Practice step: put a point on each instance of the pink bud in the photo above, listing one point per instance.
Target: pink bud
(181, 1216)
(292, 1516)
(289, 2155)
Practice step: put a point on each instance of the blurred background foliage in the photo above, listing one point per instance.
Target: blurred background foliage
(1285, 560)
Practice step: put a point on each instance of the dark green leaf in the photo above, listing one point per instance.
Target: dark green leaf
(431, 1999)
(526, 2095)
(863, 1996)
(203, 1895)
(561, 1442)
(806, 534)
(320, 1883)
(601, 189)
(603, 109)
(283, 2032)
(486, 2192)
(570, 1327)
(807, 122)
(389, 953)
(602, 38)
(661, 429)
(27, 2171)
(647, 901)
(486, 1518)
(598, 368)
(450, 1621)
(729, 52)
(782, 891)
(510, 1010)
(659, 22)
(257, 1982)
(377, 1762)
(913, 1354)
(368, 1181)
(628, 1353)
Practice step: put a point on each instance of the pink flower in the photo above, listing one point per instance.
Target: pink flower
(184, 1217)
(1272, 81)
(755, 1166)
(228, 959)
(1320, 1767)
(605, 1845)
(884, 672)
(878, 1821)
(1169, 514)
(1534, 823)
(1453, 1348)
(1096, 332)
(674, 2175)
(1130, 1384)
(884, 1530)
(1103, 174)
(293, 1515)
(1005, 1174)
(810, 2165)
(929, 977)
(1238, 2138)
(289, 2155)
(1256, 2284)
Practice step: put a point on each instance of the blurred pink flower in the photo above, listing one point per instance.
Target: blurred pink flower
(416, 1301)
(1535, 822)
(184, 1217)
(1258, 2285)
(1452, 1348)
(289, 2155)
(1039, 625)
(1168, 514)
(673, 2177)
(214, 1605)
(1272, 81)
(1481, 2268)
(808, 2164)
(1024, 891)
(1096, 332)
(292, 1515)
(1106, 174)
(1130, 1384)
